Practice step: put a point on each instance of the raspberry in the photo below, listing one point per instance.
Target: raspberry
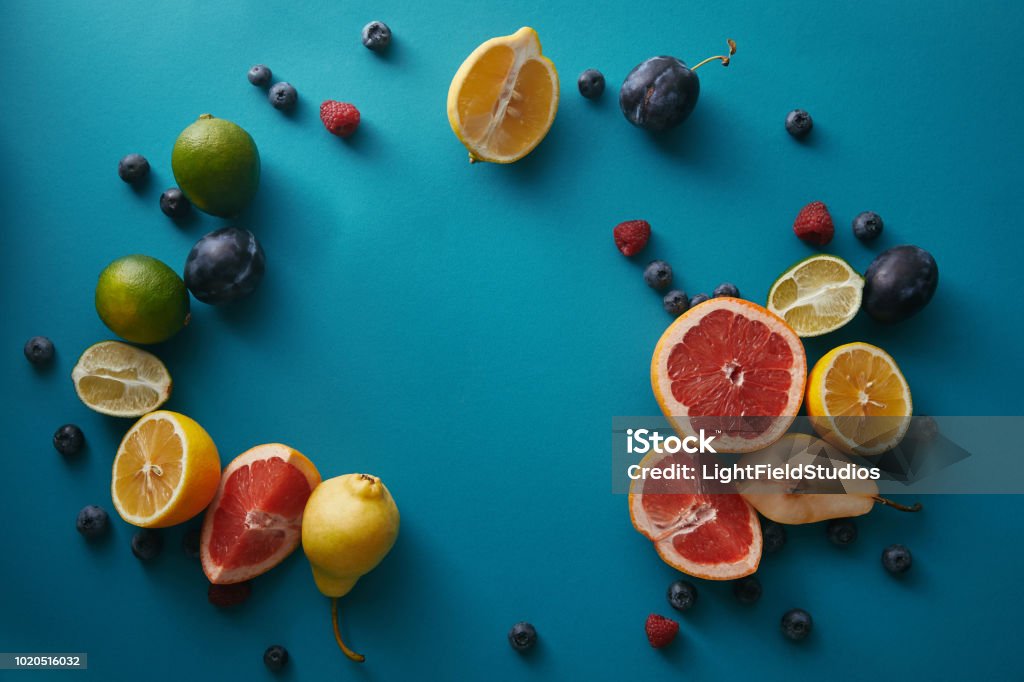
(631, 236)
(340, 118)
(228, 595)
(660, 630)
(814, 225)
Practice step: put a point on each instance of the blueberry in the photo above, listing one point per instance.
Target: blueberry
(282, 96)
(147, 544)
(190, 542)
(698, 298)
(675, 303)
(682, 595)
(899, 283)
(376, 36)
(923, 430)
(260, 75)
(133, 168)
(174, 204)
(591, 83)
(726, 289)
(747, 590)
(841, 532)
(275, 657)
(867, 226)
(39, 350)
(225, 265)
(799, 123)
(773, 535)
(522, 636)
(92, 521)
(658, 274)
(68, 439)
(897, 559)
(796, 624)
(659, 93)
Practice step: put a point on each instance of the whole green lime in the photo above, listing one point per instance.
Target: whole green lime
(217, 166)
(141, 299)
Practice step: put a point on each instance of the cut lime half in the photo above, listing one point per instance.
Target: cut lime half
(817, 295)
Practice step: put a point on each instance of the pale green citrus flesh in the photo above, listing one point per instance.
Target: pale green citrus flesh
(817, 295)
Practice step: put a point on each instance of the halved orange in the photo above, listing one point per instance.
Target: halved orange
(504, 97)
(166, 471)
(730, 367)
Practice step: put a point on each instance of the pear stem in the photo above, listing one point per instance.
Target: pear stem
(721, 57)
(896, 505)
(358, 658)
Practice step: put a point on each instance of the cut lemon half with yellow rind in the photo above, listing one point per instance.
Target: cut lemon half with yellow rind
(504, 97)
(121, 380)
(858, 400)
(166, 471)
(817, 295)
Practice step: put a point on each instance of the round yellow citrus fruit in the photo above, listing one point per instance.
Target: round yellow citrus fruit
(141, 299)
(504, 97)
(217, 166)
(166, 471)
(121, 380)
(858, 400)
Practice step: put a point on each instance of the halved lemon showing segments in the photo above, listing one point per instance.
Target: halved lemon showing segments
(121, 380)
(504, 97)
(817, 295)
(166, 471)
(858, 400)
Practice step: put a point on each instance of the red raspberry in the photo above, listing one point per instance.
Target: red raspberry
(660, 630)
(814, 225)
(340, 118)
(228, 595)
(631, 236)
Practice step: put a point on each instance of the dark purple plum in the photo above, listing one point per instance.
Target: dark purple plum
(659, 93)
(224, 266)
(899, 283)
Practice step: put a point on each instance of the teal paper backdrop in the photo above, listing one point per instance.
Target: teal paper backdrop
(468, 332)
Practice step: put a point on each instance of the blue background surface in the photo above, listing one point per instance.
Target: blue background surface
(467, 332)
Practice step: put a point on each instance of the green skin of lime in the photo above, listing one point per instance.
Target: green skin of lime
(217, 165)
(142, 300)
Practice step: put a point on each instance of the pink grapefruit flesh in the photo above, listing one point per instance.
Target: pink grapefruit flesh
(255, 520)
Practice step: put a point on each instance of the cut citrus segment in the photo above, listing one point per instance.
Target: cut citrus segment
(503, 99)
(700, 527)
(165, 472)
(120, 380)
(255, 520)
(817, 295)
(731, 367)
(858, 400)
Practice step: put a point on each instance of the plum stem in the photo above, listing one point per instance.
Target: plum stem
(358, 658)
(721, 57)
(896, 505)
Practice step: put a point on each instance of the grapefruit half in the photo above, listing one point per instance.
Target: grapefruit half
(732, 367)
(255, 520)
(703, 528)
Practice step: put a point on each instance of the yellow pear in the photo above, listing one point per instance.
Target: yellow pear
(350, 523)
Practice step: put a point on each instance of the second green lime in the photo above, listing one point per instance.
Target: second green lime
(217, 165)
(142, 300)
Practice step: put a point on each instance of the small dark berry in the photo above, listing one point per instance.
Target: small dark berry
(92, 521)
(799, 123)
(841, 532)
(675, 303)
(897, 559)
(174, 204)
(133, 168)
(522, 636)
(796, 624)
(190, 542)
(376, 36)
(147, 544)
(867, 226)
(39, 350)
(773, 535)
(68, 439)
(682, 595)
(923, 430)
(282, 96)
(698, 298)
(726, 289)
(260, 75)
(747, 590)
(591, 83)
(658, 274)
(275, 657)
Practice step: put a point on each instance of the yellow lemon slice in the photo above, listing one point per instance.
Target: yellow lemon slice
(504, 97)
(120, 380)
(166, 471)
(858, 400)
